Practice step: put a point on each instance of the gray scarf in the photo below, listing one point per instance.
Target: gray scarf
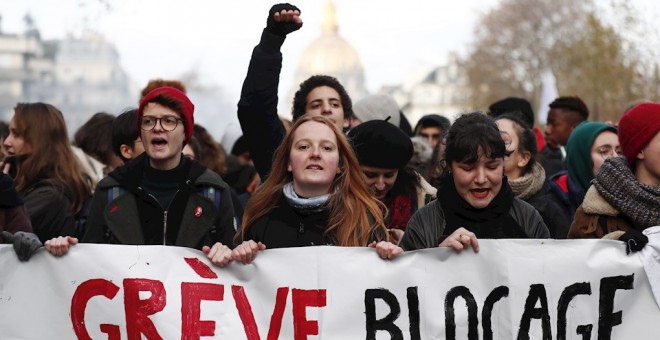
(306, 206)
(526, 186)
(639, 202)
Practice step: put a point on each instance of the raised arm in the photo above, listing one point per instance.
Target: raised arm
(257, 108)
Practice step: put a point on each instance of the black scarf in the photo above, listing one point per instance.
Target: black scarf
(9, 198)
(491, 222)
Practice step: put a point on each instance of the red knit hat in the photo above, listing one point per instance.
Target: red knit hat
(170, 94)
(636, 129)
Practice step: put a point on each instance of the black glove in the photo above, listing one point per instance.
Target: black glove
(634, 239)
(281, 28)
(25, 244)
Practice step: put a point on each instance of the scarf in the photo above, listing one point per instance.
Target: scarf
(639, 202)
(305, 206)
(491, 222)
(400, 209)
(526, 186)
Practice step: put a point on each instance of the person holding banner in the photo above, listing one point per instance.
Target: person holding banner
(624, 197)
(315, 195)
(161, 197)
(474, 197)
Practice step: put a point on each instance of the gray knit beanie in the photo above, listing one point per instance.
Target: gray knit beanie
(377, 107)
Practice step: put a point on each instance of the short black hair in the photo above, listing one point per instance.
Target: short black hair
(470, 134)
(300, 98)
(124, 131)
(571, 103)
(433, 120)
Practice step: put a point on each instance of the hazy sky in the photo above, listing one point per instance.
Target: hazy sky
(165, 38)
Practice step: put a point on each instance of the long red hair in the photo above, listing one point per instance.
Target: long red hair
(354, 213)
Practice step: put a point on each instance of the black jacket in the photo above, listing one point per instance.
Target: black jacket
(283, 227)
(553, 214)
(191, 220)
(257, 108)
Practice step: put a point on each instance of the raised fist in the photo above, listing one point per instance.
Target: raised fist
(283, 19)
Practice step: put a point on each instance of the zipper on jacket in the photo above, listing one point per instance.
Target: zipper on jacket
(164, 214)
(301, 229)
(165, 228)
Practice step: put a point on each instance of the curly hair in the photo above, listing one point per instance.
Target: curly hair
(354, 213)
(156, 83)
(300, 98)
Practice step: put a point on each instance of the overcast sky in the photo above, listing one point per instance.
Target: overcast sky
(165, 38)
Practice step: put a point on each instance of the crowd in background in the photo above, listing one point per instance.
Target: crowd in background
(341, 173)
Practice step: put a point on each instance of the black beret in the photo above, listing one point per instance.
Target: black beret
(380, 144)
(513, 105)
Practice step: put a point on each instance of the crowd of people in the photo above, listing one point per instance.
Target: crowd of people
(339, 174)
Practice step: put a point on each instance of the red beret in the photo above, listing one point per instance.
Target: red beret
(186, 107)
(636, 129)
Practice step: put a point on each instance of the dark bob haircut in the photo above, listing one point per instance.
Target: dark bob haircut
(471, 135)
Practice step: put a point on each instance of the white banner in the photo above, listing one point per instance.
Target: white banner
(528, 289)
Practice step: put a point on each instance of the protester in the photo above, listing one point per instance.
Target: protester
(526, 176)
(156, 83)
(588, 146)
(384, 151)
(257, 108)
(624, 197)
(474, 199)
(92, 145)
(161, 197)
(431, 127)
(211, 154)
(376, 107)
(315, 195)
(45, 170)
(565, 114)
(15, 225)
(95, 139)
(522, 109)
(126, 141)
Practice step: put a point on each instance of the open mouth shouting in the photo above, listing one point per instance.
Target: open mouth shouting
(480, 193)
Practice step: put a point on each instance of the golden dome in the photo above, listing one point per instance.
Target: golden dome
(330, 54)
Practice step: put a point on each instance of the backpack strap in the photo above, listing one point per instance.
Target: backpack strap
(213, 194)
(114, 192)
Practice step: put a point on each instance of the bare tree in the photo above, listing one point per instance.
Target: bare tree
(516, 42)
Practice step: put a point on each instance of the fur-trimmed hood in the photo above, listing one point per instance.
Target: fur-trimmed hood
(595, 204)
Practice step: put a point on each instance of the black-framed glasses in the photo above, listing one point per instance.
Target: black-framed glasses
(168, 123)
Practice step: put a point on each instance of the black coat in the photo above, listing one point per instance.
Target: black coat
(257, 108)
(192, 220)
(284, 227)
(553, 214)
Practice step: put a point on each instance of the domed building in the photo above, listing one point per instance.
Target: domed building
(331, 55)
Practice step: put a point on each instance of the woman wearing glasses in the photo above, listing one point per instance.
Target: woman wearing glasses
(44, 169)
(587, 148)
(625, 193)
(526, 176)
